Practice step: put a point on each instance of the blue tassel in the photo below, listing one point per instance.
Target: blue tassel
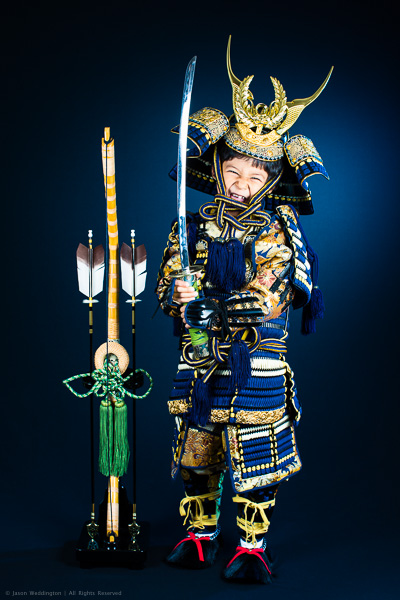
(317, 303)
(312, 311)
(201, 403)
(177, 326)
(226, 267)
(239, 363)
(315, 307)
(191, 233)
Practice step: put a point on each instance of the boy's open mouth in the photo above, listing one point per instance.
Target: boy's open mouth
(237, 197)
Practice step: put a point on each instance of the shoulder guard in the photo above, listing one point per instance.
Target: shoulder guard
(300, 272)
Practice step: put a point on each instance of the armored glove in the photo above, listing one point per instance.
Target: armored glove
(206, 313)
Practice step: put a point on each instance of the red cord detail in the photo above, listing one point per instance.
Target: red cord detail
(197, 541)
(256, 551)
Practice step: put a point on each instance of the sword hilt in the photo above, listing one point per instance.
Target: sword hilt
(198, 337)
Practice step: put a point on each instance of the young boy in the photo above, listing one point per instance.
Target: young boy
(236, 408)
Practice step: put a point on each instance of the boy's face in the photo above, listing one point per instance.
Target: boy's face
(242, 180)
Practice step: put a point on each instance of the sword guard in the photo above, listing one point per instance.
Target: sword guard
(186, 273)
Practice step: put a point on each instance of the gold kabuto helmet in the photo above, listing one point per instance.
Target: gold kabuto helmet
(259, 129)
(259, 132)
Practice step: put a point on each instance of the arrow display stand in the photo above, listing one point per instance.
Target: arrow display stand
(127, 552)
(116, 538)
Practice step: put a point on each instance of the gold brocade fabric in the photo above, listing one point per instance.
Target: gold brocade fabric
(202, 449)
(222, 415)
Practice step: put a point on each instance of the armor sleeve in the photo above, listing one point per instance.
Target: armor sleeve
(300, 272)
(282, 271)
(269, 291)
(165, 283)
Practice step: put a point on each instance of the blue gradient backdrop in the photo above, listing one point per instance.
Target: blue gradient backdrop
(71, 72)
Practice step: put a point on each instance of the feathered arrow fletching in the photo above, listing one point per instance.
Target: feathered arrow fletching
(95, 278)
(127, 269)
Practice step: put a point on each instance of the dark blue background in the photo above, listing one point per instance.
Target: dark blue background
(69, 72)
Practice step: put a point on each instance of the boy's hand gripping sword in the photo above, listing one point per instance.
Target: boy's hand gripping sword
(187, 273)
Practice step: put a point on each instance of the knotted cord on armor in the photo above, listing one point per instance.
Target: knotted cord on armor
(198, 520)
(223, 206)
(219, 349)
(221, 210)
(235, 352)
(250, 527)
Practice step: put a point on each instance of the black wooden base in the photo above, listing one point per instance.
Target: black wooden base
(117, 555)
(120, 553)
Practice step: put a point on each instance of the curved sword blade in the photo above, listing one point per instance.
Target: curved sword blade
(182, 146)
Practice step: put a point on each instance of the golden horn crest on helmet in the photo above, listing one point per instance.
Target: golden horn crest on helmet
(278, 117)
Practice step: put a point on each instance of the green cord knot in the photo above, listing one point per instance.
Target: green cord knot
(109, 386)
(108, 381)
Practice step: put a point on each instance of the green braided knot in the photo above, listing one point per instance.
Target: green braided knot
(108, 381)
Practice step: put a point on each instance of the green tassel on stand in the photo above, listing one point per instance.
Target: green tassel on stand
(114, 447)
(106, 437)
(121, 445)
